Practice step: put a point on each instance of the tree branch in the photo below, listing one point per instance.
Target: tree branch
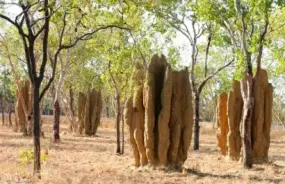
(112, 78)
(142, 56)
(45, 41)
(213, 75)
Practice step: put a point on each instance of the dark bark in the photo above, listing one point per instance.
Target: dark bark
(56, 122)
(118, 119)
(71, 104)
(196, 121)
(3, 109)
(107, 112)
(123, 133)
(10, 114)
(36, 131)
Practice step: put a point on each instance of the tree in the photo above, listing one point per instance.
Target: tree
(184, 17)
(246, 24)
(7, 92)
(7, 55)
(33, 24)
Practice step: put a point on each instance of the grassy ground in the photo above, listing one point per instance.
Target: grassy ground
(92, 160)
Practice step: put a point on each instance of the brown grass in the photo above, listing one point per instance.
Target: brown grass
(93, 160)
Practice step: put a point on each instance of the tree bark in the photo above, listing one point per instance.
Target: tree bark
(118, 118)
(196, 121)
(3, 109)
(56, 105)
(123, 133)
(36, 131)
(247, 94)
(71, 104)
(10, 113)
(55, 135)
(107, 112)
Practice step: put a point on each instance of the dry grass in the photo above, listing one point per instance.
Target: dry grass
(92, 160)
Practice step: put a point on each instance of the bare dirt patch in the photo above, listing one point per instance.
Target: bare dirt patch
(79, 159)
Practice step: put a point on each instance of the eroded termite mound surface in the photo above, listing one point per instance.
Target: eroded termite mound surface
(222, 123)
(89, 111)
(261, 117)
(234, 112)
(159, 114)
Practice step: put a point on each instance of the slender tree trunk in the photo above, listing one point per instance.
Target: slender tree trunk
(36, 129)
(247, 94)
(3, 110)
(196, 121)
(123, 132)
(56, 105)
(71, 95)
(55, 135)
(277, 115)
(10, 113)
(118, 118)
(107, 112)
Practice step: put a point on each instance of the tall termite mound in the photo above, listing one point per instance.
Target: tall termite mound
(89, 111)
(81, 111)
(234, 113)
(262, 116)
(222, 123)
(24, 101)
(159, 114)
(157, 93)
(181, 118)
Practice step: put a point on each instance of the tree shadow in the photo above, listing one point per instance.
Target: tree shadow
(65, 146)
(204, 174)
(90, 140)
(230, 176)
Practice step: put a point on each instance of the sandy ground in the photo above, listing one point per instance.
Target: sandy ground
(93, 160)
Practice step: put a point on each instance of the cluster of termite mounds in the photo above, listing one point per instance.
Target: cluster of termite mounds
(90, 106)
(229, 116)
(24, 107)
(159, 114)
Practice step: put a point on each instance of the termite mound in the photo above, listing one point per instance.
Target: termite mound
(90, 106)
(160, 114)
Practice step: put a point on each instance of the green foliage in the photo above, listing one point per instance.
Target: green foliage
(27, 156)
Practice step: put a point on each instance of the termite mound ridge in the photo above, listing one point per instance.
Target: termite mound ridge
(261, 117)
(89, 111)
(222, 123)
(134, 115)
(159, 114)
(181, 118)
(22, 121)
(234, 113)
(153, 87)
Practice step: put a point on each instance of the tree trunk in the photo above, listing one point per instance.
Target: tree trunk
(10, 113)
(118, 118)
(247, 95)
(123, 133)
(196, 121)
(36, 124)
(72, 126)
(55, 135)
(107, 112)
(3, 109)
(56, 105)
